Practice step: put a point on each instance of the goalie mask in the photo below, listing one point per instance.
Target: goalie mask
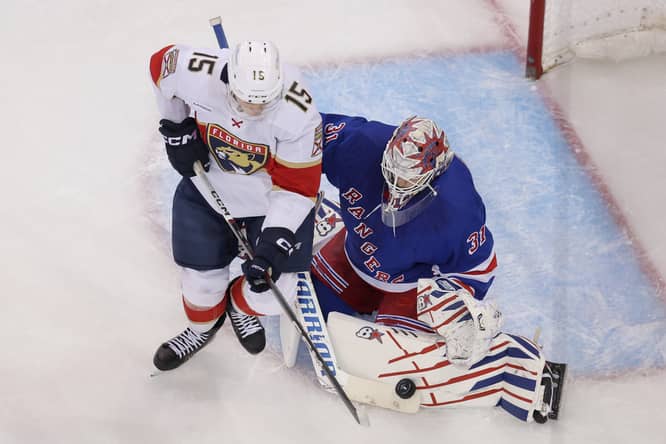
(416, 154)
(255, 73)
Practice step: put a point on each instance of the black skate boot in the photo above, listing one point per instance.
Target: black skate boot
(552, 381)
(248, 329)
(173, 353)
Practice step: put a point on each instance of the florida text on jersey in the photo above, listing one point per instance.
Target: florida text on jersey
(267, 165)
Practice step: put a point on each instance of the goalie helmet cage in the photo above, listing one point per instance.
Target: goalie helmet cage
(611, 29)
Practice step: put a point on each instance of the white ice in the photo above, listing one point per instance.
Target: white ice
(89, 288)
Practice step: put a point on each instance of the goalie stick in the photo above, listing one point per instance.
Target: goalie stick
(216, 23)
(366, 391)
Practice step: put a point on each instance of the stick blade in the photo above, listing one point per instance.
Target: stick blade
(380, 394)
(363, 417)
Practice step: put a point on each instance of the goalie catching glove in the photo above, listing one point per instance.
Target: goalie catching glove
(184, 145)
(467, 324)
(274, 247)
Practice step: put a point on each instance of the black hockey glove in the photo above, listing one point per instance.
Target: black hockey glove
(184, 145)
(273, 250)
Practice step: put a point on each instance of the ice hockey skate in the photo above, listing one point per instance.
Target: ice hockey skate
(553, 384)
(248, 329)
(173, 353)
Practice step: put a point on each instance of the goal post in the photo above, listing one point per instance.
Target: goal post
(560, 30)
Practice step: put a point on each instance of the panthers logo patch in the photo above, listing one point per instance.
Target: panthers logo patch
(235, 155)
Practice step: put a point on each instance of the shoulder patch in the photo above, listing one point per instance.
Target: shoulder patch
(163, 63)
(317, 146)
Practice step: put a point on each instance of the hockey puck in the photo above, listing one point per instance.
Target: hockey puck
(405, 388)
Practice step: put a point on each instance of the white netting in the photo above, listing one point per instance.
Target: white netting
(615, 29)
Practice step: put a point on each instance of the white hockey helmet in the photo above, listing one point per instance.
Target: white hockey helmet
(255, 72)
(417, 153)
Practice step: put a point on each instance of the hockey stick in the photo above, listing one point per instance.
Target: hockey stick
(216, 23)
(366, 391)
(224, 212)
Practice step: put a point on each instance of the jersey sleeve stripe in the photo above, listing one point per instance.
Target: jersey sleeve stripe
(481, 274)
(297, 165)
(156, 61)
(489, 267)
(303, 181)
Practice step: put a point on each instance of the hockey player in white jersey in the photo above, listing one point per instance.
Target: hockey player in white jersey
(250, 120)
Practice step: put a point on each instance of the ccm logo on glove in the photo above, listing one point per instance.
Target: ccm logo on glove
(287, 246)
(181, 140)
(184, 145)
(275, 246)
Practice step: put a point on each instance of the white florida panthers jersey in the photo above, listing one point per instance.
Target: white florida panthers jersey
(268, 165)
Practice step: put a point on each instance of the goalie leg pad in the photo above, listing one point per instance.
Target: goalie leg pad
(512, 370)
(377, 393)
(290, 339)
(509, 376)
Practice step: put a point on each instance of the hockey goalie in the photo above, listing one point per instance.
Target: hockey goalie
(466, 361)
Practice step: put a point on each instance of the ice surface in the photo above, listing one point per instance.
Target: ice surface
(90, 289)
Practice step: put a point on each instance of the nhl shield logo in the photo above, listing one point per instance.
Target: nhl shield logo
(235, 155)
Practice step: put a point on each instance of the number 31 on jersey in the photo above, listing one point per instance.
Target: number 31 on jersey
(476, 239)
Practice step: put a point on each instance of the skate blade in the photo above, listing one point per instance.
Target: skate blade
(154, 373)
(561, 370)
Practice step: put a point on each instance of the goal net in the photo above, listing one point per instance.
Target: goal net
(612, 29)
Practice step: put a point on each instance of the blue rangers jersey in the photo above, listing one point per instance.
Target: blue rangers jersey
(436, 234)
